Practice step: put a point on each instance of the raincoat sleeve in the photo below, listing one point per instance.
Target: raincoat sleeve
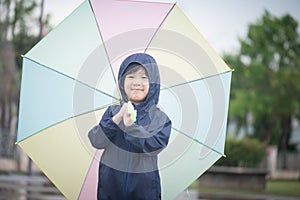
(102, 134)
(152, 138)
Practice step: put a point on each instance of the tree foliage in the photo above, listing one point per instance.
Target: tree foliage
(246, 152)
(266, 84)
(16, 16)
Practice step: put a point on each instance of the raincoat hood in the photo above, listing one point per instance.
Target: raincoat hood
(150, 65)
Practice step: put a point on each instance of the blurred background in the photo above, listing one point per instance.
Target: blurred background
(260, 40)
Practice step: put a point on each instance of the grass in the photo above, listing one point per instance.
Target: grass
(279, 188)
(284, 188)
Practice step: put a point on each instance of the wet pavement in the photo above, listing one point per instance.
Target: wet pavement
(194, 195)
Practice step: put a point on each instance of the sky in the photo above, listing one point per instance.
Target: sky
(221, 22)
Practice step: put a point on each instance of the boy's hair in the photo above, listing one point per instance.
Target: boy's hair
(132, 68)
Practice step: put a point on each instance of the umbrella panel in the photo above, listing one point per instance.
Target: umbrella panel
(66, 47)
(63, 154)
(181, 50)
(128, 27)
(75, 48)
(48, 97)
(178, 171)
(89, 188)
(198, 111)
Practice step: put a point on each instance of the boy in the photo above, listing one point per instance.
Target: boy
(128, 166)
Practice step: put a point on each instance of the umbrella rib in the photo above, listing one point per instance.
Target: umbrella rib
(63, 120)
(192, 81)
(85, 84)
(104, 45)
(198, 141)
(159, 28)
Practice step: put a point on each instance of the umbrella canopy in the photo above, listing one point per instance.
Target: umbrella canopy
(69, 79)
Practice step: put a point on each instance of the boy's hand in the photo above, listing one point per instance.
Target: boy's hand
(119, 116)
(125, 115)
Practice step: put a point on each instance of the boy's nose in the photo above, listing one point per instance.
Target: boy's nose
(137, 82)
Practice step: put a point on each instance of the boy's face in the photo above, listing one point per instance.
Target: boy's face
(136, 86)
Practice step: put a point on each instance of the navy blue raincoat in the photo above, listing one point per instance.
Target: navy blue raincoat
(128, 167)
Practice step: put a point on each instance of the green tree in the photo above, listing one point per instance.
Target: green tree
(266, 84)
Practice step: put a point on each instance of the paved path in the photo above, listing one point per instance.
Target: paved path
(194, 195)
(15, 184)
(188, 195)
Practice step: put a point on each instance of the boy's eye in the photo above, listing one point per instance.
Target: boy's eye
(130, 76)
(144, 77)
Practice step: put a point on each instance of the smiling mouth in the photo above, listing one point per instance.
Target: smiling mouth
(136, 89)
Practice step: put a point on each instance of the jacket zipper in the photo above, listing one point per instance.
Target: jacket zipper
(126, 175)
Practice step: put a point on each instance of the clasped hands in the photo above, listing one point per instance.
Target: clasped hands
(125, 115)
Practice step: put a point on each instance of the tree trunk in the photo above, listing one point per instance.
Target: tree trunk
(286, 129)
(8, 82)
(41, 20)
(6, 22)
(2, 104)
(268, 134)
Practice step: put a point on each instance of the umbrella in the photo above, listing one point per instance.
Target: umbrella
(69, 79)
